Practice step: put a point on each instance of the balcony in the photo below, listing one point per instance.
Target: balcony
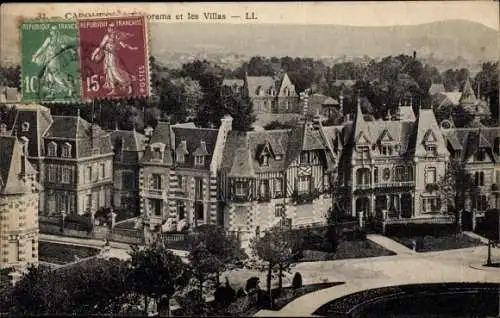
(430, 187)
(154, 191)
(395, 184)
(266, 197)
(305, 197)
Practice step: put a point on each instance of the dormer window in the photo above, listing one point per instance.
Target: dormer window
(66, 150)
(200, 153)
(181, 152)
(430, 148)
(259, 91)
(481, 154)
(25, 126)
(157, 151)
(386, 150)
(52, 149)
(240, 189)
(199, 160)
(278, 157)
(265, 160)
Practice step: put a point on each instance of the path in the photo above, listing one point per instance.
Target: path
(390, 244)
(476, 236)
(361, 274)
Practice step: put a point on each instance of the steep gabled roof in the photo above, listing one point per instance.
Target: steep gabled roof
(199, 142)
(264, 82)
(427, 122)
(11, 181)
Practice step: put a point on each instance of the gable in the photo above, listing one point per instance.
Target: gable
(386, 137)
(362, 139)
(429, 137)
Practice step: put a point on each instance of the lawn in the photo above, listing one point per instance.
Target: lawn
(62, 253)
(429, 243)
(347, 249)
(247, 306)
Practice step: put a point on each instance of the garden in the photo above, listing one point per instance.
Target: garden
(430, 237)
(62, 253)
(335, 243)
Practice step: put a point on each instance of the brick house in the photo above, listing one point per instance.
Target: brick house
(18, 205)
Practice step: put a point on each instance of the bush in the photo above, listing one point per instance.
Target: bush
(240, 293)
(252, 284)
(354, 235)
(330, 241)
(224, 295)
(297, 281)
(409, 230)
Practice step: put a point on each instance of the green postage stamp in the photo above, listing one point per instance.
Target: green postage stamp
(49, 62)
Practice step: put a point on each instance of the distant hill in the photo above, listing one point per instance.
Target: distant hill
(444, 40)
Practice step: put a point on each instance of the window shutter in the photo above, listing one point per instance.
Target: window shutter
(312, 186)
(162, 180)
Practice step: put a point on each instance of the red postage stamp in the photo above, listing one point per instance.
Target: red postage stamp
(114, 57)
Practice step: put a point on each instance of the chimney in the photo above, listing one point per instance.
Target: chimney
(341, 103)
(388, 115)
(414, 55)
(316, 120)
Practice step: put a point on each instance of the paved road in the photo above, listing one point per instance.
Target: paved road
(361, 274)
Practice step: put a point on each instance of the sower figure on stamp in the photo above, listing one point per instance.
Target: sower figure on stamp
(108, 48)
(50, 56)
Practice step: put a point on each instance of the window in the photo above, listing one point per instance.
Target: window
(386, 150)
(265, 160)
(24, 145)
(52, 173)
(157, 206)
(156, 181)
(66, 151)
(430, 148)
(304, 157)
(408, 174)
(67, 175)
(481, 154)
(181, 210)
(157, 153)
(180, 183)
(278, 186)
(264, 188)
(304, 184)
(103, 170)
(375, 175)
(52, 149)
(479, 178)
(496, 146)
(95, 173)
(430, 175)
(400, 173)
(387, 174)
(279, 211)
(480, 203)
(198, 184)
(25, 126)
(199, 160)
(89, 174)
(199, 211)
(240, 189)
(363, 176)
(88, 202)
(431, 205)
(278, 157)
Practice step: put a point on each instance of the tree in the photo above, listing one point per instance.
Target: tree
(203, 265)
(491, 224)
(487, 80)
(156, 272)
(277, 249)
(225, 248)
(455, 186)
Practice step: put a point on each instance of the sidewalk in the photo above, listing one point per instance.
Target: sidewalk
(389, 244)
(476, 236)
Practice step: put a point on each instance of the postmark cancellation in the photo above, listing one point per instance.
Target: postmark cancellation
(114, 57)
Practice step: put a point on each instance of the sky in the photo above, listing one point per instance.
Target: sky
(358, 13)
